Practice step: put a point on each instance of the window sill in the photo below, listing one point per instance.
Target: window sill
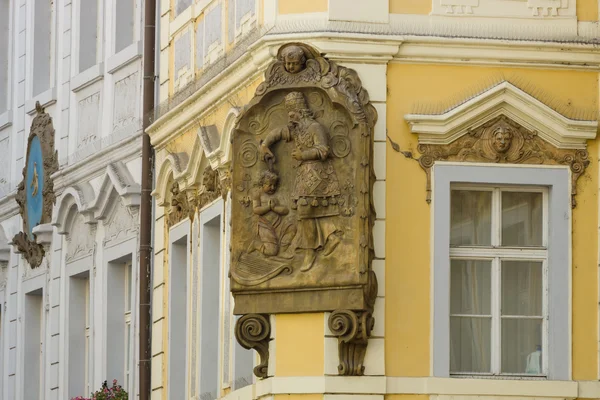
(46, 99)
(124, 57)
(5, 119)
(87, 77)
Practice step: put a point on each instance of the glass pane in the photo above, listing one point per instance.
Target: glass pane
(470, 285)
(470, 218)
(470, 344)
(522, 288)
(522, 346)
(521, 219)
(128, 288)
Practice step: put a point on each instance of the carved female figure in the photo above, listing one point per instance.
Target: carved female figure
(274, 234)
(316, 189)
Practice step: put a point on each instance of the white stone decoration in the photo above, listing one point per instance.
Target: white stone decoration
(122, 224)
(125, 102)
(80, 240)
(89, 120)
(505, 8)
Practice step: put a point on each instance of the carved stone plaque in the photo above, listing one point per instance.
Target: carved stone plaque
(302, 182)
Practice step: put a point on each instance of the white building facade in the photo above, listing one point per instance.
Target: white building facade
(71, 323)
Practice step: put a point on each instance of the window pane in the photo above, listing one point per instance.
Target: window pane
(128, 287)
(522, 288)
(522, 346)
(470, 344)
(470, 218)
(470, 285)
(521, 219)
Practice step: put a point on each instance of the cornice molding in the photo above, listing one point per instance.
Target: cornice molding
(503, 99)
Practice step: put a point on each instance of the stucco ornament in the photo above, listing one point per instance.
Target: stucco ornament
(503, 141)
(302, 178)
(35, 194)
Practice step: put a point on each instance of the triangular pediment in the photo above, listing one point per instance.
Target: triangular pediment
(503, 99)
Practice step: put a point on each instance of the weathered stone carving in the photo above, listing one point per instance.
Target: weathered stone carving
(253, 331)
(35, 207)
(502, 141)
(352, 330)
(181, 207)
(302, 178)
(211, 187)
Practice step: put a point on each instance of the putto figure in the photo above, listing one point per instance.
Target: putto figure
(294, 59)
(274, 234)
(316, 190)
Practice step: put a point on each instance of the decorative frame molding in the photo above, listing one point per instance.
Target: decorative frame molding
(42, 128)
(503, 99)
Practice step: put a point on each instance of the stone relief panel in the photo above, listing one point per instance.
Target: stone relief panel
(88, 120)
(508, 8)
(302, 211)
(81, 240)
(126, 102)
(122, 224)
(182, 62)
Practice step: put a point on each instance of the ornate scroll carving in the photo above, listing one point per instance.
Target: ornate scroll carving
(253, 331)
(35, 207)
(352, 330)
(302, 179)
(503, 141)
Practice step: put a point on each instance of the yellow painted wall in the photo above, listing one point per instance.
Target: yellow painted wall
(302, 6)
(408, 215)
(587, 10)
(299, 345)
(410, 7)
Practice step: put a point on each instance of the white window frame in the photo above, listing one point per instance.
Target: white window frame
(88, 339)
(207, 216)
(495, 255)
(558, 181)
(6, 114)
(178, 233)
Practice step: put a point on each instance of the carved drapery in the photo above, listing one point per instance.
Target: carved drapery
(302, 179)
(502, 141)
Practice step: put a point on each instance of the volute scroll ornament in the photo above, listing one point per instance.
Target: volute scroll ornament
(302, 179)
(35, 194)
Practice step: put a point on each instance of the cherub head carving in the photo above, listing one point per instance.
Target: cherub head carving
(502, 138)
(294, 59)
(268, 181)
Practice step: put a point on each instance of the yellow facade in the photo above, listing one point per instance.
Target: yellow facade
(432, 63)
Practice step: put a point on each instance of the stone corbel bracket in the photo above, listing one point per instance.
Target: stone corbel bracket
(253, 331)
(352, 328)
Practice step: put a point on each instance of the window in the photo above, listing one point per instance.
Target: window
(124, 23)
(498, 259)
(89, 32)
(4, 53)
(79, 335)
(179, 262)
(127, 320)
(42, 46)
(501, 270)
(33, 345)
(120, 320)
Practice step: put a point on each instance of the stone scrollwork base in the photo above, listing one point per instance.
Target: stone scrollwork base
(253, 331)
(352, 328)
